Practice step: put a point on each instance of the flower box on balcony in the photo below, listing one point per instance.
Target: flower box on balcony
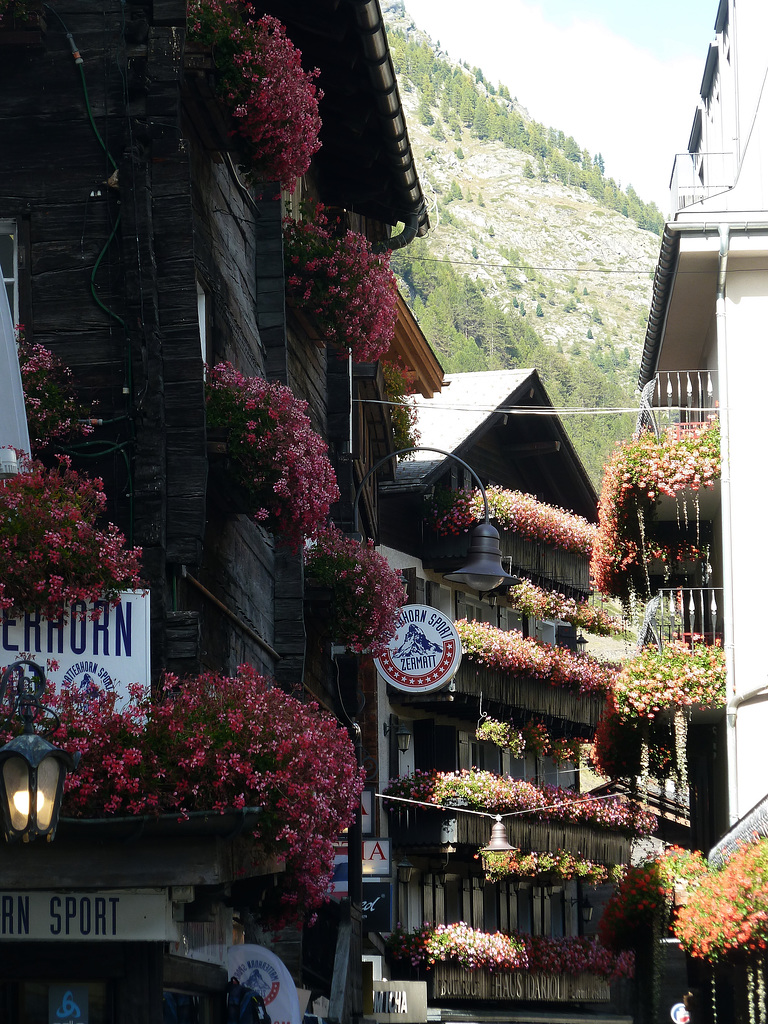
(450, 981)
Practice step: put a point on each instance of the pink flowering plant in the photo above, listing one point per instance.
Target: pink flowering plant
(528, 599)
(218, 744)
(367, 593)
(503, 734)
(476, 950)
(510, 651)
(497, 794)
(334, 276)
(638, 473)
(572, 954)
(399, 385)
(469, 947)
(273, 101)
(561, 864)
(726, 910)
(276, 455)
(53, 549)
(677, 676)
(53, 411)
(454, 512)
(643, 899)
(532, 737)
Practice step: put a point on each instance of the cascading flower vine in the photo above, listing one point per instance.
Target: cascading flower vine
(367, 593)
(276, 455)
(510, 651)
(454, 512)
(638, 473)
(497, 794)
(213, 743)
(53, 551)
(272, 99)
(335, 276)
(528, 599)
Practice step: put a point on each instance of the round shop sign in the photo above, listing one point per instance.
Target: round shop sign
(425, 652)
(679, 1014)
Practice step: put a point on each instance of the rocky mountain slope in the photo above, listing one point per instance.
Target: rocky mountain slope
(544, 251)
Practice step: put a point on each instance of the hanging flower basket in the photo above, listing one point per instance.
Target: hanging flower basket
(337, 280)
(272, 100)
(279, 463)
(53, 550)
(54, 414)
(639, 473)
(367, 593)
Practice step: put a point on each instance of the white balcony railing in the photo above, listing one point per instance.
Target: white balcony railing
(697, 176)
(690, 614)
(682, 399)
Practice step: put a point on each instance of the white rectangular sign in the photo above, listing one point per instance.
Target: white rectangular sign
(107, 653)
(120, 915)
(377, 857)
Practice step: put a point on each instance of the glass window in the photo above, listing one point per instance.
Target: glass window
(9, 265)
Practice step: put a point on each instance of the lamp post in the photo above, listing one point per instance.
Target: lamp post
(32, 770)
(483, 571)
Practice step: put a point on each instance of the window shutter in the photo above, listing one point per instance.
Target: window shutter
(423, 744)
(414, 586)
(446, 748)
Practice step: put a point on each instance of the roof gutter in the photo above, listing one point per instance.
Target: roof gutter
(373, 35)
(664, 278)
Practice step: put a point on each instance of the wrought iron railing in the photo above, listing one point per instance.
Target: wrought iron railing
(690, 614)
(681, 399)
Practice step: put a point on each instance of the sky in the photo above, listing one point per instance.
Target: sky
(621, 76)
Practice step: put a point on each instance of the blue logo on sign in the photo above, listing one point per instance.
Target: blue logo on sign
(68, 1008)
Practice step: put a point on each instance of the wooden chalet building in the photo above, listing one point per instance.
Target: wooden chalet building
(133, 250)
(482, 419)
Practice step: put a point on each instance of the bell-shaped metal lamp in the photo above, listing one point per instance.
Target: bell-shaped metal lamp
(483, 570)
(498, 843)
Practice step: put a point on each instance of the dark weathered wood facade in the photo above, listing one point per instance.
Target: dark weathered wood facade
(142, 256)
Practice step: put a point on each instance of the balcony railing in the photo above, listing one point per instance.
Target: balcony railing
(690, 614)
(683, 400)
(414, 827)
(697, 176)
(535, 696)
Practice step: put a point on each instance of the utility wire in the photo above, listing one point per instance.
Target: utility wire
(489, 814)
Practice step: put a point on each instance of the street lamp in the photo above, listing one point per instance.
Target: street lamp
(32, 770)
(402, 736)
(483, 570)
